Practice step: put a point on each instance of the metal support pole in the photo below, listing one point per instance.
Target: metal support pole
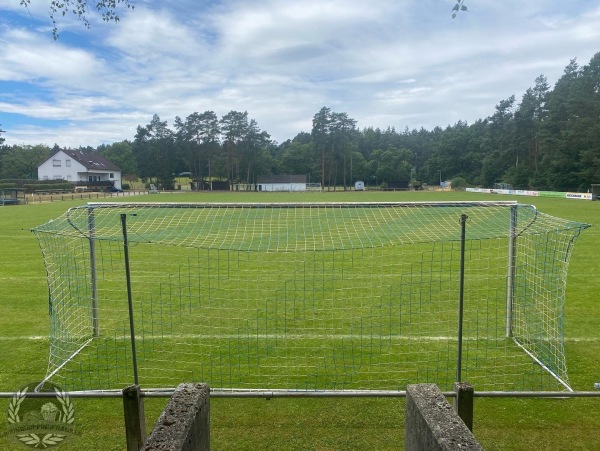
(129, 297)
(463, 224)
(463, 403)
(135, 418)
(510, 280)
(94, 285)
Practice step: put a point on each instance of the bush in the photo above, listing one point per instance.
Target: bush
(125, 186)
(459, 183)
(65, 186)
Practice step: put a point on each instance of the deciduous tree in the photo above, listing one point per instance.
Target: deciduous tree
(108, 10)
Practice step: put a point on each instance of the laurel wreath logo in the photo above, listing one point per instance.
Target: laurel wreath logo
(67, 416)
(15, 405)
(68, 411)
(46, 441)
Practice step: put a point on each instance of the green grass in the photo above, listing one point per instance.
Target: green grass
(325, 424)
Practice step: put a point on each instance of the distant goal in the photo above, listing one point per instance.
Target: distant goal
(321, 296)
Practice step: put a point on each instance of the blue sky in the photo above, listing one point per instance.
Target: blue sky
(399, 63)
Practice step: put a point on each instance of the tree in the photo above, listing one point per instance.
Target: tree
(391, 164)
(108, 10)
(253, 156)
(21, 162)
(154, 152)
(199, 137)
(342, 128)
(121, 154)
(298, 158)
(234, 127)
(1, 138)
(320, 136)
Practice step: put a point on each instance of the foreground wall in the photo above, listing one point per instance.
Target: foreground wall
(432, 424)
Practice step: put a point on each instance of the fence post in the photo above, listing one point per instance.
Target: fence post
(461, 291)
(463, 403)
(135, 421)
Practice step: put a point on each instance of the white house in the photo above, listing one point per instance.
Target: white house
(286, 182)
(84, 169)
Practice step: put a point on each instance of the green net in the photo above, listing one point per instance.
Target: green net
(338, 296)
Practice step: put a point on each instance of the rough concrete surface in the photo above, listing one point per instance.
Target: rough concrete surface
(432, 423)
(184, 424)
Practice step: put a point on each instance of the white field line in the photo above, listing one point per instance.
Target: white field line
(303, 336)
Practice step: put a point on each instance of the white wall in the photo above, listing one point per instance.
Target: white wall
(62, 166)
(282, 187)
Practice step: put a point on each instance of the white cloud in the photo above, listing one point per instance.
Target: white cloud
(30, 57)
(384, 62)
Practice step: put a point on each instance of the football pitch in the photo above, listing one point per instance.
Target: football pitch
(311, 423)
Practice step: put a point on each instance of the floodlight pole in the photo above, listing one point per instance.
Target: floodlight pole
(463, 226)
(510, 280)
(93, 281)
(129, 297)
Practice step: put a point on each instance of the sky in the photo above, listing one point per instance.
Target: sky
(386, 63)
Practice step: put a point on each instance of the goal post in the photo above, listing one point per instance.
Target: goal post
(512, 241)
(307, 296)
(93, 282)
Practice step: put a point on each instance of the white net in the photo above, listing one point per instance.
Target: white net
(352, 296)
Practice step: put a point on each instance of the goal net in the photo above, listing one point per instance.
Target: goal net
(326, 296)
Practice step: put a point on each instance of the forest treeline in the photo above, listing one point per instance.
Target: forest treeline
(547, 140)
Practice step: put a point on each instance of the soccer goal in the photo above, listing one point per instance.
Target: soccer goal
(321, 296)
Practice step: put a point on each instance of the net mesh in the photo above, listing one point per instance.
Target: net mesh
(352, 296)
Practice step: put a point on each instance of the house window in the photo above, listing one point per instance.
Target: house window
(68, 163)
(68, 176)
(56, 163)
(57, 177)
(111, 175)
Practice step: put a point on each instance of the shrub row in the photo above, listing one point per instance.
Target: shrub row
(30, 188)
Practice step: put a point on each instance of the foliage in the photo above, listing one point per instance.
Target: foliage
(459, 183)
(21, 162)
(154, 151)
(460, 6)
(121, 154)
(333, 136)
(108, 10)
(57, 185)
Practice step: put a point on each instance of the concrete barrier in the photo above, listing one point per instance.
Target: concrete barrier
(184, 425)
(432, 424)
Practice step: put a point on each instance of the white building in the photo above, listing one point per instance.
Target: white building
(285, 182)
(84, 169)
